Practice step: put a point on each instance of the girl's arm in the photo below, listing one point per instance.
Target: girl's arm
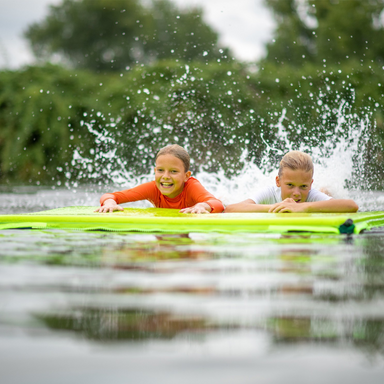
(198, 208)
(109, 205)
(199, 200)
(110, 201)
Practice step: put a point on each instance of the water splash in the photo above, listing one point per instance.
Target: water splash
(338, 161)
(338, 158)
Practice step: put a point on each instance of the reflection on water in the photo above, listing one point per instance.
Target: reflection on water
(191, 307)
(109, 324)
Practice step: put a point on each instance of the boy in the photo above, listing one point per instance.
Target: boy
(293, 192)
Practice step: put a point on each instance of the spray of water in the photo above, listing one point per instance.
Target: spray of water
(338, 161)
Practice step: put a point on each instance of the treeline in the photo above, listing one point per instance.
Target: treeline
(44, 112)
(199, 96)
(216, 111)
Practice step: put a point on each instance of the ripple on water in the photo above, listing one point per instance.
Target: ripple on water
(225, 303)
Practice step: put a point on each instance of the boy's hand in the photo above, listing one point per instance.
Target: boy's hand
(287, 206)
(109, 205)
(197, 208)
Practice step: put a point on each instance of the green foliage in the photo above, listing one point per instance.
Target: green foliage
(51, 117)
(323, 105)
(206, 109)
(46, 113)
(109, 35)
(40, 109)
(334, 31)
(292, 43)
(325, 63)
(143, 86)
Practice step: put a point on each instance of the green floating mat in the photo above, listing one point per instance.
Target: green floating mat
(159, 220)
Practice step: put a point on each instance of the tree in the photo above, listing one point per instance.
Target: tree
(292, 41)
(51, 117)
(109, 35)
(331, 30)
(323, 71)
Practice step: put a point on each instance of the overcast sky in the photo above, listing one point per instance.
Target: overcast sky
(243, 25)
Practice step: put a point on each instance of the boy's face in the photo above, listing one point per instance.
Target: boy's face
(295, 184)
(170, 175)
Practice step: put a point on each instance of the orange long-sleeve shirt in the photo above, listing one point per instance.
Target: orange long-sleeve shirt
(193, 193)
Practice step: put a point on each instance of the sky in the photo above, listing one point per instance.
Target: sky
(243, 25)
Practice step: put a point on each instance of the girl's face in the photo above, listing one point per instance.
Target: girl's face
(170, 175)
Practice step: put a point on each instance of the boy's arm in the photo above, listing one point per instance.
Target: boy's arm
(289, 205)
(325, 206)
(248, 206)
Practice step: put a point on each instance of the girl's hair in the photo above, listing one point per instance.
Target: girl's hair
(296, 160)
(177, 151)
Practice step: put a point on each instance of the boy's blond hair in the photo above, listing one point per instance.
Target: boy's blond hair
(177, 151)
(296, 160)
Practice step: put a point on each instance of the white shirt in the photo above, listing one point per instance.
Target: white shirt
(272, 195)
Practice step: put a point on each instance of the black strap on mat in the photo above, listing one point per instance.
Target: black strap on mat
(347, 227)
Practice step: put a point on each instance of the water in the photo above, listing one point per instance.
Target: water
(117, 307)
(209, 308)
(338, 146)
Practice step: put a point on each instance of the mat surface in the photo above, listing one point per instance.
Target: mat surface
(171, 221)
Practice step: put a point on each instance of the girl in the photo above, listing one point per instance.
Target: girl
(173, 187)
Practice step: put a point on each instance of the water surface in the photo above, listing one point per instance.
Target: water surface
(117, 307)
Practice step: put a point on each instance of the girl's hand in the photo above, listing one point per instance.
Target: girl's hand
(109, 205)
(198, 208)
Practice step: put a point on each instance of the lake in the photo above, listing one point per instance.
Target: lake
(210, 308)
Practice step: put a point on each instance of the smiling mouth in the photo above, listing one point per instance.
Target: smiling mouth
(166, 185)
